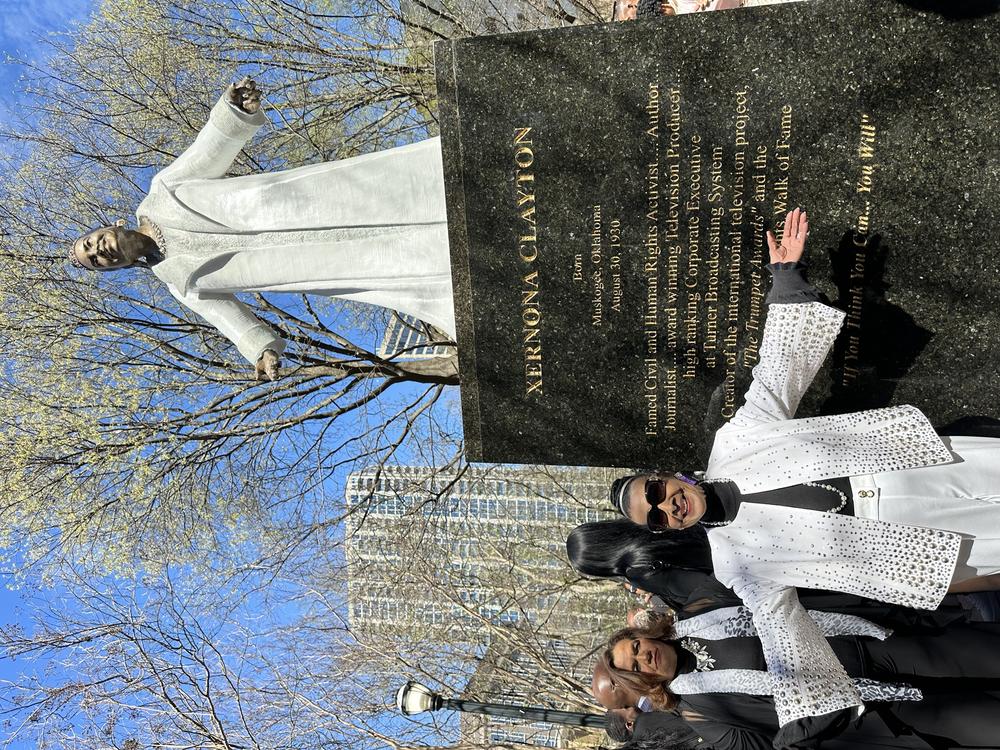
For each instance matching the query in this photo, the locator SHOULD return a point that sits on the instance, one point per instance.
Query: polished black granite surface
(608, 188)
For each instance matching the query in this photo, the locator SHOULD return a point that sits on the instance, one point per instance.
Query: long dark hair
(620, 548)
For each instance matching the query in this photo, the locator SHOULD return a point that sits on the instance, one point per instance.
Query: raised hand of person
(793, 238)
(246, 95)
(643, 596)
(268, 366)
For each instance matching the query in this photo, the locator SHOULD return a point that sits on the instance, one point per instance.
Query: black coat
(748, 722)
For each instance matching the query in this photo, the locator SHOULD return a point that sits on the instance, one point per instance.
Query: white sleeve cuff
(254, 342)
(233, 122)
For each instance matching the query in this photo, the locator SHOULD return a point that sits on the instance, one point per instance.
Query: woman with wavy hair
(934, 689)
(659, 644)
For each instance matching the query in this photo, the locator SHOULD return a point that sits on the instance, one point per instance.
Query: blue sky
(23, 23)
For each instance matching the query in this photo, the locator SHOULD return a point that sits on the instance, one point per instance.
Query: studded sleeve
(808, 678)
(796, 340)
(768, 550)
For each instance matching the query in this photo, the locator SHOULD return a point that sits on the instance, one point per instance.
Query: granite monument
(608, 192)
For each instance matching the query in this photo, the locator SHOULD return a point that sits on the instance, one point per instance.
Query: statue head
(109, 248)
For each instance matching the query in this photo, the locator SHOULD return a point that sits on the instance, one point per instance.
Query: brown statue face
(108, 248)
(608, 693)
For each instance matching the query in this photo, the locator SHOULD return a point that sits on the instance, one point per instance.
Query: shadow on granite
(608, 187)
(978, 426)
(868, 366)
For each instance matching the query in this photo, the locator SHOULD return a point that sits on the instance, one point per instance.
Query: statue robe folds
(371, 228)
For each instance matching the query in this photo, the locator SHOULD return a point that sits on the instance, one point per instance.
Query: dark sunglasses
(656, 492)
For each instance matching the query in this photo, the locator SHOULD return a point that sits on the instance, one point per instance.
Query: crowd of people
(826, 582)
(812, 573)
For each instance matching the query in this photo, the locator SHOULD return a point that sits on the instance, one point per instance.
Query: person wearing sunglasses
(871, 503)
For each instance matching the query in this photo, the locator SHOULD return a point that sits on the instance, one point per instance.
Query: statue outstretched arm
(233, 121)
(235, 321)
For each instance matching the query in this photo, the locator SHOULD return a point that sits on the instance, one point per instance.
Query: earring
(120, 223)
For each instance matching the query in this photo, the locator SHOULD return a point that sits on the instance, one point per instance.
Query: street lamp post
(414, 698)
